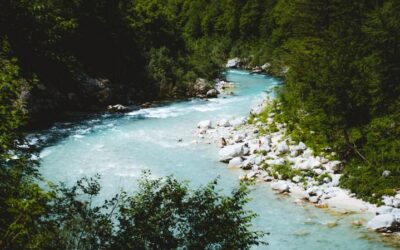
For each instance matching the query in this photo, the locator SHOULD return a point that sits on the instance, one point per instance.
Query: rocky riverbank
(267, 152)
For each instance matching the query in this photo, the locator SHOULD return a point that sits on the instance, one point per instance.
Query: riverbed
(163, 139)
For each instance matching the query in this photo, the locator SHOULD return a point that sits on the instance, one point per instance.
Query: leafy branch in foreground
(162, 214)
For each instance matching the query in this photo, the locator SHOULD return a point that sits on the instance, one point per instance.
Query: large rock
(266, 66)
(384, 210)
(118, 108)
(307, 164)
(282, 148)
(229, 152)
(204, 124)
(238, 121)
(223, 123)
(396, 202)
(334, 166)
(384, 222)
(235, 162)
(280, 186)
(200, 88)
(212, 93)
(233, 63)
(257, 108)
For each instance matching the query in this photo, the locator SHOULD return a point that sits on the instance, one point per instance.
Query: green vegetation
(340, 60)
(285, 171)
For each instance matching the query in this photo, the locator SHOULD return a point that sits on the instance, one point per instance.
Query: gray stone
(238, 121)
(229, 152)
(204, 124)
(386, 173)
(235, 162)
(384, 222)
(117, 108)
(212, 93)
(280, 186)
(282, 148)
(233, 63)
(223, 123)
(384, 210)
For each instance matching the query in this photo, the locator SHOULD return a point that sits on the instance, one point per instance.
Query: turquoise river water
(119, 147)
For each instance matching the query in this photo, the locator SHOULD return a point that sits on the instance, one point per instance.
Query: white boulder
(282, 148)
(235, 162)
(229, 152)
(280, 186)
(233, 63)
(223, 123)
(396, 203)
(302, 146)
(204, 124)
(384, 210)
(384, 222)
(238, 121)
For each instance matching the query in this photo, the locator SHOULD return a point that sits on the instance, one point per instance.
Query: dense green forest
(342, 90)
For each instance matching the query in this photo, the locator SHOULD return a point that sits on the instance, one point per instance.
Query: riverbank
(262, 146)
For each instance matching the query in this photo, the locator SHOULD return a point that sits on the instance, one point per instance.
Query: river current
(163, 139)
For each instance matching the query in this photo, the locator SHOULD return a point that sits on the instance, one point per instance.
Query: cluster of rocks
(262, 154)
(203, 89)
(387, 217)
(289, 166)
(224, 87)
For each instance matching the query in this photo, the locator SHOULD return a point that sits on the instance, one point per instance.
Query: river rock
(238, 121)
(212, 93)
(302, 146)
(266, 66)
(282, 148)
(308, 153)
(204, 124)
(117, 108)
(252, 175)
(384, 210)
(387, 200)
(229, 152)
(238, 137)
(333, 166)
(200, 88)
(233, 63)
(296, 179)
(313, 199)
(235, 162)
(396, 203)
(273, 162)
(223, 123)
(384, 222)
(280, 186)
(308, 164)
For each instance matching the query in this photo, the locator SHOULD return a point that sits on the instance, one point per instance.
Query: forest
(342, 91)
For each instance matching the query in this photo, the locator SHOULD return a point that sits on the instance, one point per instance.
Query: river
(161, 139)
